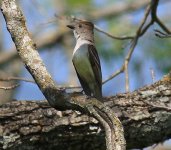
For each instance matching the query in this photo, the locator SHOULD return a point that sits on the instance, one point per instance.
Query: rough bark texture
(58, 98)
(145, 114)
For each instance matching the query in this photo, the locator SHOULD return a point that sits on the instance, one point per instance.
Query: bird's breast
(82, 63)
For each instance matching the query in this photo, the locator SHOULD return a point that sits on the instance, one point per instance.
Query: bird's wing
(83, 83)
(95, 62)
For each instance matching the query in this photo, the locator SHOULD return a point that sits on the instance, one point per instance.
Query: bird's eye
(80, 26)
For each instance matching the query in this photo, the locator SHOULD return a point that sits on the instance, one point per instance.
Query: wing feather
(92, 55)
(95, 63)
(84, 84)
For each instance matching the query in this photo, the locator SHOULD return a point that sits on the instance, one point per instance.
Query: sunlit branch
(9, 87)
(16, 78)
(32, 81)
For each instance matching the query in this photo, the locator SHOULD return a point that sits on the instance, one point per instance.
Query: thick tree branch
(145, 114)
(56, 97)
(26, 50)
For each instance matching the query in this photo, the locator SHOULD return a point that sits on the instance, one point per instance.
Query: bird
(86, 60)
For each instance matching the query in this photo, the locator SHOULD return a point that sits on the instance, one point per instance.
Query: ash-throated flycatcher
(86, 60)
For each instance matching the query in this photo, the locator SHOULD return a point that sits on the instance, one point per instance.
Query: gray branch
(56, 97)
(27, 51)
(145, 114)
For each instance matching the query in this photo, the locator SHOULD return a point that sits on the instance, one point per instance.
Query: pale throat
(80, 41)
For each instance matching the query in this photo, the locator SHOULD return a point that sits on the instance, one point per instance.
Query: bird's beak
(71, 27)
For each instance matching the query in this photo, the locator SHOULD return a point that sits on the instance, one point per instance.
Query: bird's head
(81, 28)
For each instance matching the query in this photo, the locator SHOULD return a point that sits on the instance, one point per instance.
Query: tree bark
(35, 125)
(58, 98)
(145, 115)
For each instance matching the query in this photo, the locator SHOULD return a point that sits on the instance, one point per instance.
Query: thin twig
(9, 87)
(32, 81)
(16, 78)
(113, 36)
(146, 28)
(162, 26)
(152, 7)
(161, 34)
(133, 45)
(140, 31)
(114, 75)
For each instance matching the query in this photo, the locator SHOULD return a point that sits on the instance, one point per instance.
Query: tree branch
(32, 81)
(113, 36)
(16, 78)
(161, 34)
(151, 9)
(154, 17)
(56, 97)
(9, 87)
(145, 114)
(124, 67)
